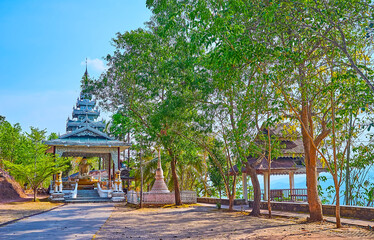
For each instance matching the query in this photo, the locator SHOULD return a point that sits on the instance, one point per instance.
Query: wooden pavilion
(290, 162)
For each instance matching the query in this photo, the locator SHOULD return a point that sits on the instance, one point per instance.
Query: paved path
(349, 221)
(72, 221)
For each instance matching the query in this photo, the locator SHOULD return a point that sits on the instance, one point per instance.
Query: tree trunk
(269, 204)
(269, 171)
(337, 210)
(35, 189)
(178, 200)
(315, 205)
(220, 194)
(231, 202)
(256, 191)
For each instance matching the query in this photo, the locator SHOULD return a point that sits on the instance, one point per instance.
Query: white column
(245, 187)
(114, 155)
(266, 186)
(292, 180)
(292, 185)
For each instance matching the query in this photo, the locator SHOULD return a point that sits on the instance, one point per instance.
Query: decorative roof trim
(87, 127)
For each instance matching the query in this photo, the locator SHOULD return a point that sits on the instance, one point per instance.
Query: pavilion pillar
(54, 158)
(245, 187)
(266, 186)
(114, 171)
(118, 159)
(109, 172)
(291, 176)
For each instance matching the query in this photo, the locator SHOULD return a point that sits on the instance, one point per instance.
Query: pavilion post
(114, 170)
(245, 187)
(109, 173)
(291, 176)
(54, 158)
(119, 160)
(266, 185)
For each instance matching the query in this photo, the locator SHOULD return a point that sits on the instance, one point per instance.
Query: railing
(284, 195)
(103, 193)
(75, 191)
(104, 185)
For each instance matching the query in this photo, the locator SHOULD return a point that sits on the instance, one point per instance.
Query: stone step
(96, 200)
(88, 197)
(88, 194)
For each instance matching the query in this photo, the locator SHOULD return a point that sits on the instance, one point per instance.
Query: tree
(144, 82)
(53, 136)
(347, 26)
(343, 105)
(233, 60)
(9, 141)
(34, 165)
(215, 177)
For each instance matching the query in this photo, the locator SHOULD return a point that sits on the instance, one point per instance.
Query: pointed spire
(86, 72)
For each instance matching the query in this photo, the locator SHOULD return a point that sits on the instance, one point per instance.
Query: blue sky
(43, 46)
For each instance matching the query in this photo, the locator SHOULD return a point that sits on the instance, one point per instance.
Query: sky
(43, 47)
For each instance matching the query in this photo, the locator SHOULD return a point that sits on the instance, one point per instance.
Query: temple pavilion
(84, 138)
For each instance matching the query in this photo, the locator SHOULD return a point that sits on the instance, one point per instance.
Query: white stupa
(159, 186)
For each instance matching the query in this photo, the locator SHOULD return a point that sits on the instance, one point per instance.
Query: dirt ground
(15, 210)
(198, 222)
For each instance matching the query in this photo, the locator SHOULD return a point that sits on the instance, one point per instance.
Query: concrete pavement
(72, 221)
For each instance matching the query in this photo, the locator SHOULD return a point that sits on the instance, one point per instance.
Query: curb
(16, 220)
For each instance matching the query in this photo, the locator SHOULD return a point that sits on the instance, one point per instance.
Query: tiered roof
(83, 129)
(85, 113)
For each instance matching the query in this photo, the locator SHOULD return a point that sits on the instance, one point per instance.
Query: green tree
(214, 172)
(10, 137)
(224, 33)
(53, 136)
(34, 165)
(143, 81)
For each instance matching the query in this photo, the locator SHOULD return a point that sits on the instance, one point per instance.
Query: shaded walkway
(73, 221)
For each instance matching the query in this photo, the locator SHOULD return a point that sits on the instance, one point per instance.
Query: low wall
(224, 201)
(158, 198)
(132, 197)
(187, 197)
(366, 213)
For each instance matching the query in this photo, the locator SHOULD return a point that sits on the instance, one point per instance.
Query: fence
(284, 195)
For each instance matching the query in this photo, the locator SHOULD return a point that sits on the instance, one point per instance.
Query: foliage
(52, 136)
(210, 72)
(10, 141)
(33, 164)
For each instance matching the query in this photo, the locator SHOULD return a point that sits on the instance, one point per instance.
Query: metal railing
(284, 195)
